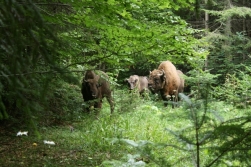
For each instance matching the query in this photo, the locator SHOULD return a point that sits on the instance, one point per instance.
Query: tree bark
(227, 32)
(207, 29)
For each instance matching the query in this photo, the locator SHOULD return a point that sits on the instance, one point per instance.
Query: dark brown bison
(165, 80)
(95, 87)
(138, 82)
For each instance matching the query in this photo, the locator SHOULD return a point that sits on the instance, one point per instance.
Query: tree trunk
(228, 22)
(227, 32)
(206, 28)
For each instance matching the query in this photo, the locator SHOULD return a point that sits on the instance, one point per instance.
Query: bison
(95, 87)
(165, 80)
(138, 82)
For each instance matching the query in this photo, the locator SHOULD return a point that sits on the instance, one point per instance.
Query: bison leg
(97, 107)
(174, 101)
(175, 98)
(99, 104)
(145, 94)
(87, 106)
(166, 99)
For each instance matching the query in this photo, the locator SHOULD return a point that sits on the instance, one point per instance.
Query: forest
(47, 46)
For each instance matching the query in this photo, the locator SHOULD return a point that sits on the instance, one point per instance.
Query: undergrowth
(137, 134)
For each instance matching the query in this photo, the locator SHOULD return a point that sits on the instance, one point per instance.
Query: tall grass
(135, 135)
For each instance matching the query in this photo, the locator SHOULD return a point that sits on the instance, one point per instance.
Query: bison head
(132, 82)
(94, 86)
(156, 80)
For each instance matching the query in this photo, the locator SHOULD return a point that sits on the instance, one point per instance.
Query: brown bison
(165, 80)
(95, 87)
(138, 82)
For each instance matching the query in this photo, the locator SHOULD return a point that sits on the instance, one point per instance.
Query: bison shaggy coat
(95, 87)
(165, 80)
(138, 82)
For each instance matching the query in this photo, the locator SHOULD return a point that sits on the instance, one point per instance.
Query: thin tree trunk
(206, 27)
(227, 33)
(228, 22)
(243, 29)
(206, 18)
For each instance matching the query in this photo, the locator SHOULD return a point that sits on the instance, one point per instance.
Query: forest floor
(89, 144)
(126, 137)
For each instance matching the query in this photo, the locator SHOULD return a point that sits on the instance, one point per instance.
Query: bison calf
(139, 83)
(95, 87)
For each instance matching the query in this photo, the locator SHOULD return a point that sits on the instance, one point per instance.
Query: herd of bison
(166, 80)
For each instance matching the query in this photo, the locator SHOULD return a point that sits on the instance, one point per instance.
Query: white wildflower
(49, 142)
(22, 133)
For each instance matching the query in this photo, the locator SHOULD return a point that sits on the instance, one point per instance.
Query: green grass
(109, 141)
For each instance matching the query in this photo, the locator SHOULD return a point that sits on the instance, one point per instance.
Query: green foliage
(230, 13)
(39, 38)
(89, 143)
(200, 81)
(209, 137)
(25, 53)
(209, 133)
(228, 37)
(132, 137)
(28, 61)
(236, 89)
(228, 53)
(114, 35)
(127, 101)
(64, 103)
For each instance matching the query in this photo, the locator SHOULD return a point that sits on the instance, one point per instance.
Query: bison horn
(162, 74)
(163, 71)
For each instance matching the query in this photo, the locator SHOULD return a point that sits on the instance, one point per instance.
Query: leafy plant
(236, 89)
(209, 132)
(28, 61)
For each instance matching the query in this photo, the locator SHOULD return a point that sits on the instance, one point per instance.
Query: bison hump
(172, 77)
